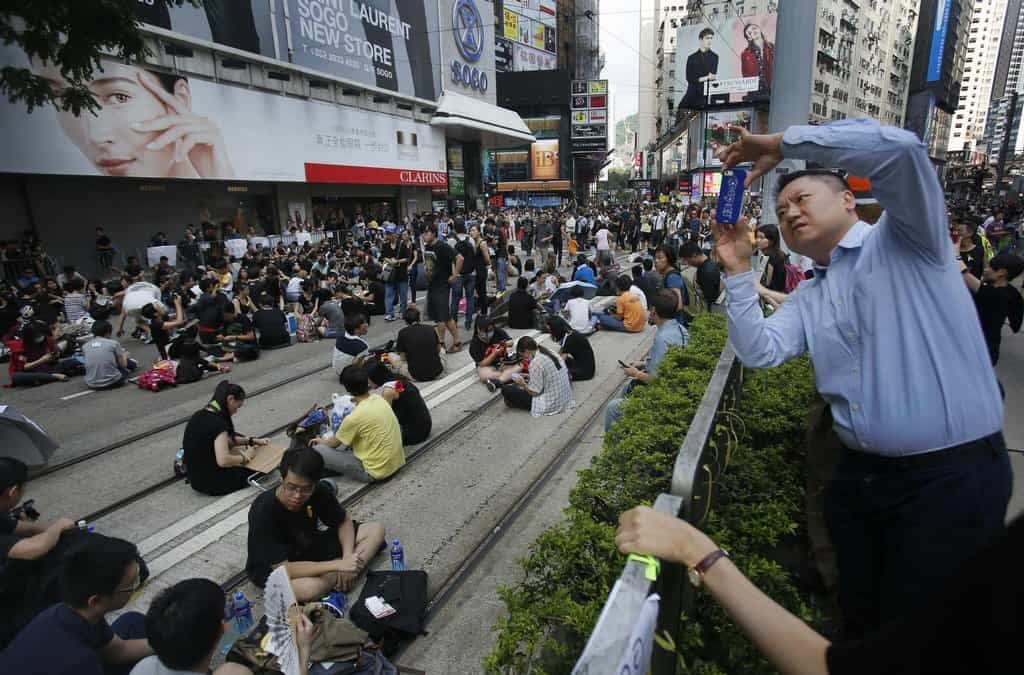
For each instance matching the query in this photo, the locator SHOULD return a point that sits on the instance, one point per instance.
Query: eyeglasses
(300, 490)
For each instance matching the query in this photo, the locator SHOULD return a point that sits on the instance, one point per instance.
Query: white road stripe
(81, 393)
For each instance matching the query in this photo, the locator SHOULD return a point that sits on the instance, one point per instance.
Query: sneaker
(493, 385)
(331, 487)
(335, 603)
(389, 318)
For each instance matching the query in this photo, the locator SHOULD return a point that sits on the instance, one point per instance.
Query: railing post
(675, 593)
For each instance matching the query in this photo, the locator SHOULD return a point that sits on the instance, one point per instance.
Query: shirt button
(856, 370)
(856, 406)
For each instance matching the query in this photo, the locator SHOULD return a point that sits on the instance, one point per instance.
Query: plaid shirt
(553, 385)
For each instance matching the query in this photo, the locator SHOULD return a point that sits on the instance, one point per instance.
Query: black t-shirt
(200, 433)
(7, 537)
(57, 642)
(377, 289)
(481, 261)
(777, 282)
(102, 243)
(440, 268)
(209, 310)
(465, 248)
(158, 332)
(419, 344)
(270, 326)
(709, 278)
(971, 626)
(520, 309)
(478, 348)
(995, 306)
(582, 353)
(975, 260)
(412, 413)
(277, 535)
(398, 251)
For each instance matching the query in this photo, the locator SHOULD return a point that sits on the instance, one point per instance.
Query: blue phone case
(730, 197)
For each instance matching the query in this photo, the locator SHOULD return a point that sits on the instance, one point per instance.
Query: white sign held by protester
(236, 247)
(154, 253)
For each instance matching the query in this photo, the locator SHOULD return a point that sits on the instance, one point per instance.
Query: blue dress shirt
(669, 334)
(891, 328)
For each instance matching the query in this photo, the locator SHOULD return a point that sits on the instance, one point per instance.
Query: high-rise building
(983, 47)
(665, 92)
(647, 100)
(1004, 109)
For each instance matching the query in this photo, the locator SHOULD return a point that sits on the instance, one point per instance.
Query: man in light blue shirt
(670, 333)
(924, 478)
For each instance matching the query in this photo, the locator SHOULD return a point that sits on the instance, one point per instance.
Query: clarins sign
(423, 178)
(370, 175)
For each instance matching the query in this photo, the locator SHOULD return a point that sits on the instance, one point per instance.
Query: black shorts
(326, 546)
(439, 304)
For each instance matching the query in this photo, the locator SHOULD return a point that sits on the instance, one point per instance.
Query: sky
(620, 31)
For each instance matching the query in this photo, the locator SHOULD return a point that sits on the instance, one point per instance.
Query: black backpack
(466, 249)
(407, 593)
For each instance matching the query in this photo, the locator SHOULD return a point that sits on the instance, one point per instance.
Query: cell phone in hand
(623, 364)
(731, 197)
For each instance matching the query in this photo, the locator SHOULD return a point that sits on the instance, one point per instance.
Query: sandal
(456, 347)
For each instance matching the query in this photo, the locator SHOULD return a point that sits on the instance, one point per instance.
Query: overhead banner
(532, 27)
(726, 50)
(156, 125)
(390, 44)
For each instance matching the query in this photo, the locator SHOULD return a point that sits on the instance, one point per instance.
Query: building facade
(1002, 139)
(983, 44)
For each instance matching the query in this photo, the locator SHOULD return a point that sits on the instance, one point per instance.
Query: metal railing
(697, 468)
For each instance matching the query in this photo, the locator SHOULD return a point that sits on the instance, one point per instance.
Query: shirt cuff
(740, 287)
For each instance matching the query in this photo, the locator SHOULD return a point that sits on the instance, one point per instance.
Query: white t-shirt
(579, 314)
(602, 240)
(640, 296)
(294, 286)
(151, 665)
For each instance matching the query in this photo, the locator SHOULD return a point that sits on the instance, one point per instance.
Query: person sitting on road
(106, 362)
(215, 455)
(332, 317)
(670, 333)
(579, 312)
(575, 349)
(584, 272)
(522, 306)
(73, 636)
(628, 316)
(418, 352)
(368, 445)
(406, 402)
(37, 360)
(160, 326)
(351, 346)
(239, 335)
(490, 351)
(283, 530)
(546, 389)
(191, 363)
(184, 625)
(271, 324)
(22, 542)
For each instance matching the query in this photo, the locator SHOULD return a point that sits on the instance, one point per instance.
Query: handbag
(387, 273)
(407, 593)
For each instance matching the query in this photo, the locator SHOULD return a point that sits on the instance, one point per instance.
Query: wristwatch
(696, 573)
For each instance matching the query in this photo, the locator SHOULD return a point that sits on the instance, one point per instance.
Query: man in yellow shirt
(368, 445)
(629, 316)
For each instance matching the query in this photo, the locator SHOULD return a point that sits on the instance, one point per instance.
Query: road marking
(81, 393)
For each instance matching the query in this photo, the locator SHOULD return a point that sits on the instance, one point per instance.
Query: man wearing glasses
(73, 636)
(302, 526)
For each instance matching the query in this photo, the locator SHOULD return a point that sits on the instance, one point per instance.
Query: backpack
(466, 249)
(305, 330)
(407, 593)
(694, 303)
(162, 373)
(794, 275)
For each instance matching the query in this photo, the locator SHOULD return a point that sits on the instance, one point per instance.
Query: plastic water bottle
(338, 404)
(85, 527)
(397, 556)
(293, 323)
(243, 613)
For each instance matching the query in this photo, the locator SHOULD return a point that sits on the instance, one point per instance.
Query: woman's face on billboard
(109, 138)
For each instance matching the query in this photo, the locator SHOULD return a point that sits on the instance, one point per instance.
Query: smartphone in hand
(731, 197)
(623, 364)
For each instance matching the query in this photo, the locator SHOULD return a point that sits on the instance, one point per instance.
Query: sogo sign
(469, 35)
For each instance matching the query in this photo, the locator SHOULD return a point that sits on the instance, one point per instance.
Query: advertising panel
(938, 45)
(544, 160)
(731, 48)
(388, 44)
(156, 125)
(588, 100)
(467, 47)
(503, 55)
(533, 26)
(717, 133)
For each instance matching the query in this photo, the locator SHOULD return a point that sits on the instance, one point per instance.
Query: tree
(618, 179)
(71, 35)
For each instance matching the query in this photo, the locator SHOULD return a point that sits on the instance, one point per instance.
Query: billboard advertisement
(588, 101)
(532, 27)
(938, 41)
(468, 48)
(544, 160)
(158, 125)
(735, 55)
(717, 133)
(390, 44)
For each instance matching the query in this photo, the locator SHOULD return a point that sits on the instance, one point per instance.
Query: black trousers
(902, 527)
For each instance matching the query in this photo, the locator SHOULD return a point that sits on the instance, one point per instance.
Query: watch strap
(710, 559)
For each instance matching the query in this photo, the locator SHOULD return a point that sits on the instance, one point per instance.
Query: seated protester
(375, 293)
(239, 335)
(38, 360)
(271, 324)
(521, 305)
(22, 542)
(332, 317)
(995, 299)
(575, 349)
(307, 302)
(73, 637)
(635, 289)
(709, 277)
(651, 281)
(106, 361)
(76, 302)
(628, 316)
(351, 346)
(546, 390)
(665, 264)
(489, 349)
(368, 444)
(670, 333)
(284, 530)
(406, 402)
(208, 310)
(583, 272)
(418, 352)
(184, 626)
(578, 311)
(215, 455)
(529, 270)
(160, 326)
(515, 265)
(191, 364)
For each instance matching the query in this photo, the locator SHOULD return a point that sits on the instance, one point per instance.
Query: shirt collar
(854, 238)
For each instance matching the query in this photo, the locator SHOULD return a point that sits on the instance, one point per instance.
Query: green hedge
(571, 567)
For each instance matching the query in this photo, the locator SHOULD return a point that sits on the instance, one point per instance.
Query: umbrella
(562, 294)
(23, 439)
